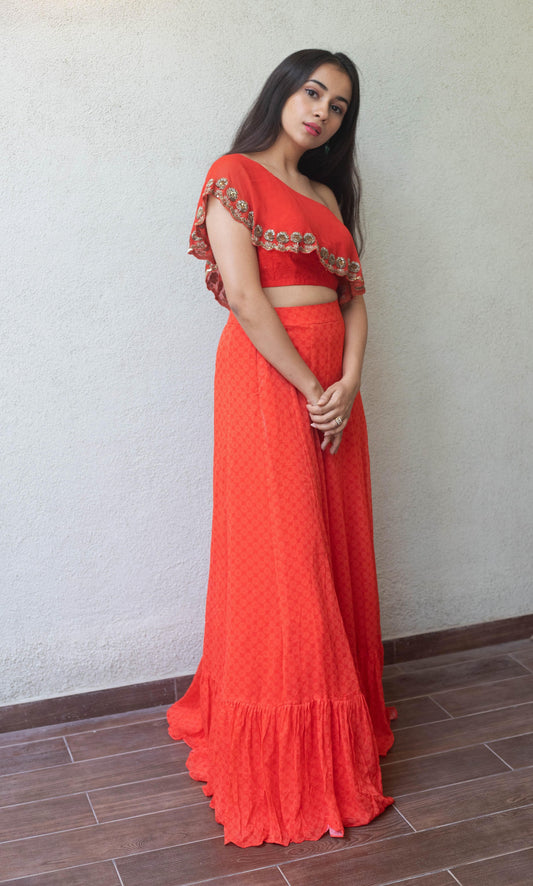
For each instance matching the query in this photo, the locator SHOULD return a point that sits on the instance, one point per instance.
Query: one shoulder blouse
(298, 239)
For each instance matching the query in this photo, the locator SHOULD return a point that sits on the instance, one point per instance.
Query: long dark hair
(335, 167)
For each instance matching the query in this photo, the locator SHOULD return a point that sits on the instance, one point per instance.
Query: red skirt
(285, 715)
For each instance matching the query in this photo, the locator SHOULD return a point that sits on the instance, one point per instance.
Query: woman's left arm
(338, 399)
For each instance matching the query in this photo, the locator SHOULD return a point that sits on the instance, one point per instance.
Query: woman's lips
(312, 129)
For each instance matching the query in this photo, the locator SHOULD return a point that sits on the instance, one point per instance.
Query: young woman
(285, 715)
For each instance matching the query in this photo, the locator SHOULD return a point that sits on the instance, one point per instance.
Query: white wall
(112, 111)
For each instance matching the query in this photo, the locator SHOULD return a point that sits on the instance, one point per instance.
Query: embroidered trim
(268, 239)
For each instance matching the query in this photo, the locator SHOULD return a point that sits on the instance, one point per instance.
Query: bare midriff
(296, 296)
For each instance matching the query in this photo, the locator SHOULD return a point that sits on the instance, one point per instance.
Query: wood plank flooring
(108, 801)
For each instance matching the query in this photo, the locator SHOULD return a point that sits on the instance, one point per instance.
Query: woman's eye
(336, 109)
(310, 91)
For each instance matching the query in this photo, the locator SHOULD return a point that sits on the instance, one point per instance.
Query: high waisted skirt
(285, 715)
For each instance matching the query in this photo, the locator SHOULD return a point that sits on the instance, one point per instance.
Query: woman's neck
(282, 159)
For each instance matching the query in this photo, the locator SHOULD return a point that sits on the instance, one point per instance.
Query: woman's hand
(331, 412)
(334, 439)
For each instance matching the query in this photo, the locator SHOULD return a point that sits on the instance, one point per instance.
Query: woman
(285, 715)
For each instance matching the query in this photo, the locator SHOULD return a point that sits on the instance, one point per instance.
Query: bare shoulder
(328, 197)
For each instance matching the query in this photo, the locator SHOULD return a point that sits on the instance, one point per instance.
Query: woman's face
(316, 110)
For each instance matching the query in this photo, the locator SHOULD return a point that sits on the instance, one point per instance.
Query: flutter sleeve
(228, 181)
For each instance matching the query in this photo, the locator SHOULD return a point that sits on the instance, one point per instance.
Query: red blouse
(301, 240)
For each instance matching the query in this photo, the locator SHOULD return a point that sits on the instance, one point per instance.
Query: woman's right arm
(236, 259)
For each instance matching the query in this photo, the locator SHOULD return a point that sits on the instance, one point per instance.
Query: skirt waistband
(308, 315)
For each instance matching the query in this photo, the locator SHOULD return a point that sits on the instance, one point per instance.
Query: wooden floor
(108, 801)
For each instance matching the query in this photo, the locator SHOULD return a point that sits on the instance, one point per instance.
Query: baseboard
(98, 703)
(456, 639)
(102, 702)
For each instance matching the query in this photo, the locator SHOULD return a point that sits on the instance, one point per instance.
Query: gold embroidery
(258, 230)
(228, 197)
(282, 237)
(309, 239)
(270, 234)
(296, 237)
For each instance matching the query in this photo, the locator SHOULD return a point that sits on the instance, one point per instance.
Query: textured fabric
(299, 240)
(285, 715)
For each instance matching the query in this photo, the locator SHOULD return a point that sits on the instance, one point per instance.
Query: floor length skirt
(285, 715)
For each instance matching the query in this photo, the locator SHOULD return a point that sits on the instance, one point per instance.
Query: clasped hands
(335, 402)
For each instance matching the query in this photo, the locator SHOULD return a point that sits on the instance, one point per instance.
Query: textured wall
(112, 112)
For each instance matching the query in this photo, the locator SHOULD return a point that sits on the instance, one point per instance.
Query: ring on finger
(339, 420)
